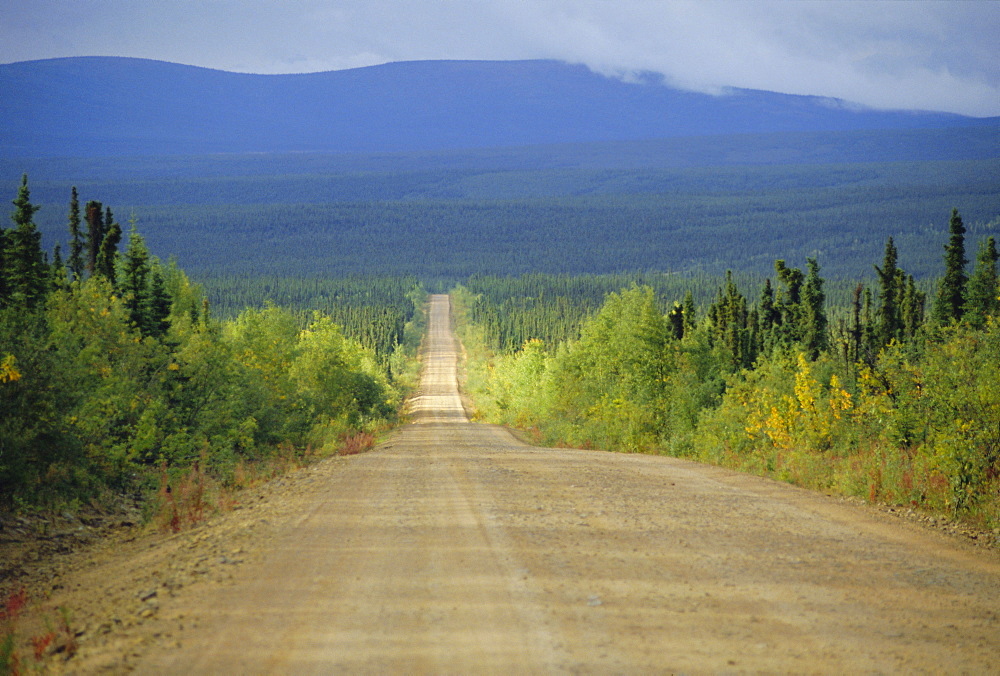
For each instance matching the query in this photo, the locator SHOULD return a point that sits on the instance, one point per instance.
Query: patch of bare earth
(455, 548)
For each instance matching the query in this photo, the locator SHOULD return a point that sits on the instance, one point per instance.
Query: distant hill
(105, 106)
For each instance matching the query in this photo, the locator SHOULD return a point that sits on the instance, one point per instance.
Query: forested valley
(891, 392)
(682, 206)
(123, 371)
(119, 378)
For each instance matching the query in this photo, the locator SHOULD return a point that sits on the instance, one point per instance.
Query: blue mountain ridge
(111, 106)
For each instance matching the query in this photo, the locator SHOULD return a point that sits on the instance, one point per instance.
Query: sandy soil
(455, 548)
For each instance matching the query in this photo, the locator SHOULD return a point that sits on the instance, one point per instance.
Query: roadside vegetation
(892, 395)
(118, 378)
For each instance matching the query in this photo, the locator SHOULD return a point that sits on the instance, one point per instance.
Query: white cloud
(932, 55)
(884, 54)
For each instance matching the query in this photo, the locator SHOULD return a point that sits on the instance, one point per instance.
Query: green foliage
(958, 408)
(515, 385)
(101, 385)
(731, 326)
(983, 292)
(135, 282)
(871, 405)
(106, 261)
(814, 322)
(889, 316)
(22, 264)
(611, 380)
(372, 310)
(34, 395)
(950, 302)
(337, 375)
(90, 401)
(95, 233)
(552, 308)
(76, 241)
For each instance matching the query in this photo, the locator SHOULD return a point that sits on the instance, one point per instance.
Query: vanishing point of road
(455, 548)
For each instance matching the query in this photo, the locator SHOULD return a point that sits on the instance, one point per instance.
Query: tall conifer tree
(814, 336)
(135, 277)
(730, 323)
(857, 330)
(981, 297)
(675, 321)
(689, 312)
(95, 232)
(950, 302)
(58, 269)
(27, 275)
(76, 245)
(912, 307)
(788, 305)
(158, 305)
(888, 317)
(107, 252)
(768, 313)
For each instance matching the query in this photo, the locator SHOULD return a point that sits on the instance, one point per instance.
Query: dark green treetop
(950, 302)
(95, 232)
(982, 292)
(814, 337)
(107, 252)
(26, 275)
(888, 318)
(76, 245)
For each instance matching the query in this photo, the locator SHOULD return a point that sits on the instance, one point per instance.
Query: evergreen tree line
(896, 398)
(552, 308)
(27, 276)
(112, 368)
(372, 310)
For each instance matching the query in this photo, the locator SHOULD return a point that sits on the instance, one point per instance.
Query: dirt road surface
(454, 548)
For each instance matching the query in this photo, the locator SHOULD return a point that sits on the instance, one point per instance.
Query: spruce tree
(58, 269)
(730, 323)
(792, 278)
(814, 338)
(788, 304)
(888, 317)
(872, 343)
(27, 275)
(950, 302)
(767, 313)
(912, 307)
(158, 305)
(982, 291)
(107, 253)
(681, 317)
(857, 328)
(95, 233)
(689, 312)
(76, 245)
(135, 278)
(675, 321)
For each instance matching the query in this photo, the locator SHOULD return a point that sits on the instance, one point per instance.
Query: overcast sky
(888, 53)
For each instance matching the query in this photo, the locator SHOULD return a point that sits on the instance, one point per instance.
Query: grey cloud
(932, 55)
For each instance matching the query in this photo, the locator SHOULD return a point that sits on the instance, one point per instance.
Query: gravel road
(455, 548)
